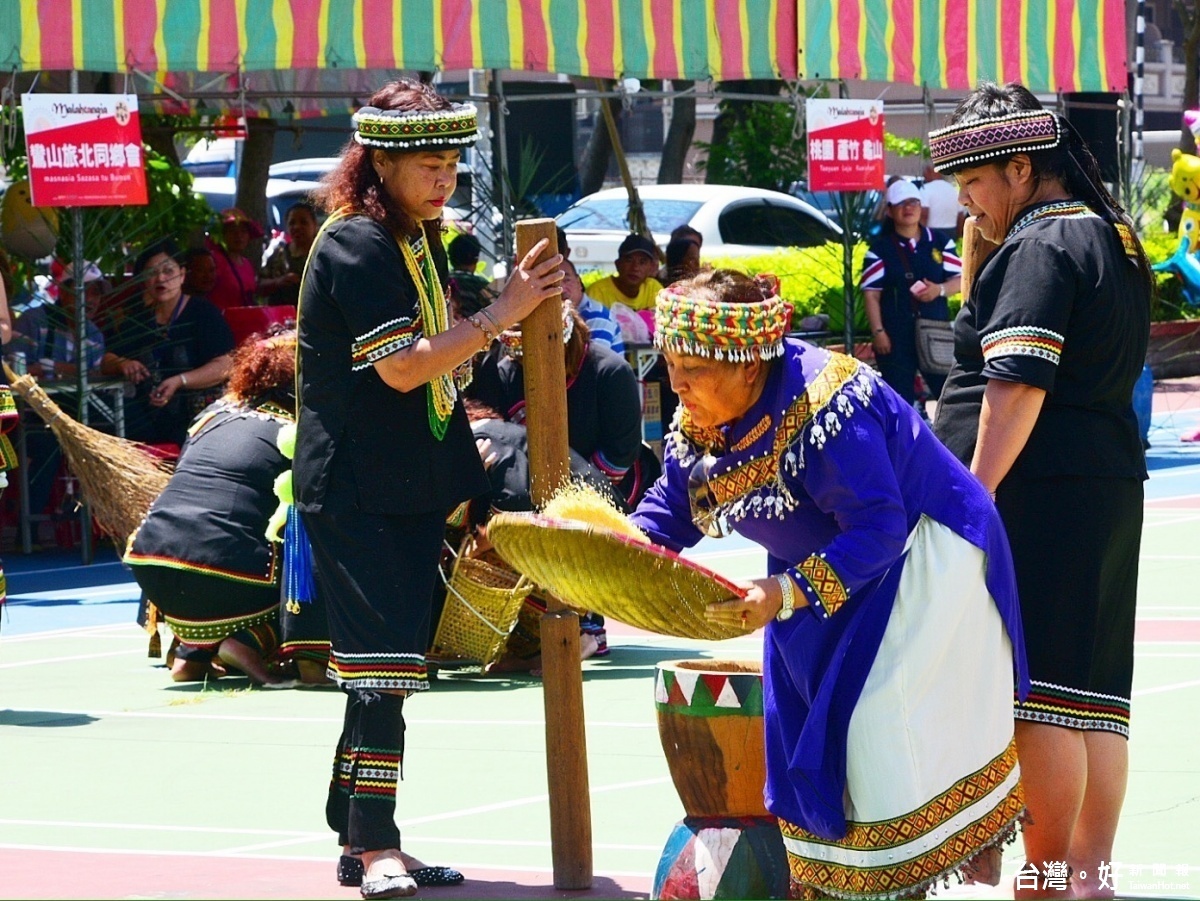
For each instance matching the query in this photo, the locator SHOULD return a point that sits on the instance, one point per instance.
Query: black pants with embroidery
(361, 807)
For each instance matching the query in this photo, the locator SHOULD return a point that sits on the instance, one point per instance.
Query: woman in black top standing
(1049, 346)
(174, 348)
(908, 273)
(384, 451)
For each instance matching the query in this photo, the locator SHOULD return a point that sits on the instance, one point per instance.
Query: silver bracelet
(183, 379)
(492, 319)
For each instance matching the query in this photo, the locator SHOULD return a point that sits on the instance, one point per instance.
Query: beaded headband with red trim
(723, 331)
(416, 129)
(970, 143)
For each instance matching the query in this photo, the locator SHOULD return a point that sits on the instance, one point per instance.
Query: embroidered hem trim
(399, 672)
(212, 631)
(1073, 708)
(939, 838)
(269, 578)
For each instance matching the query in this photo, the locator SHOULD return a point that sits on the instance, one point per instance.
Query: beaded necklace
(435, 317)
(1062, 209)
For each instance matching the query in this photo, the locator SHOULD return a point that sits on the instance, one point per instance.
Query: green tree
(762, 149)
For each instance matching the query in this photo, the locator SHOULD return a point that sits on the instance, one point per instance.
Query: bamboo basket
(483, 602)
(634, 582)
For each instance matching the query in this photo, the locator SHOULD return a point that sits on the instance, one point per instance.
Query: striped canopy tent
(1048, 45)
(1051, 45)
(269, 44)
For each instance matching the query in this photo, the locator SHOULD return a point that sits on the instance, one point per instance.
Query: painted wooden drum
(710, 721)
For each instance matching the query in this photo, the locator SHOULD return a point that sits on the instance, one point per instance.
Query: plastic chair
(247, 321)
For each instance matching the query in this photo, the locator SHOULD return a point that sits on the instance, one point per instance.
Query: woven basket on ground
(634, 582)
(483, 601)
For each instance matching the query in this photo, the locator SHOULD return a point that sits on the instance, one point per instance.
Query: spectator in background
(604, 407)
(903, 257)
(237, 276)
(280, 277)
(469, 286)
(940, 208)
(48, 332)
(563, 247)
(46, 335)
(174, 350)
(603, 328)
(683, 260)
(634, 283)
(201, 275)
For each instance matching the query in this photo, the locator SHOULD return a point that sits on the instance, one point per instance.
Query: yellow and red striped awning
(1049, 44)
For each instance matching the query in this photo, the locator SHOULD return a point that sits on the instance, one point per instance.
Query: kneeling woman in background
(202, 555)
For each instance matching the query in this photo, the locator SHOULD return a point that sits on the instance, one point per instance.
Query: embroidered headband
(970, 143)
(417, 129)
(724, 331)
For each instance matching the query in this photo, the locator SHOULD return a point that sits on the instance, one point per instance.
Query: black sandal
(350, 873)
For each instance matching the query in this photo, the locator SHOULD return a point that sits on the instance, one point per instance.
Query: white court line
(1161, 688)
(91, 567)
(81, 631)
(127, 593)
(315, 836)
(155, 827)
(1170, 522)
(285, 858)
(1169, 556)
(126, 653)
(185, 714)
(470, 811)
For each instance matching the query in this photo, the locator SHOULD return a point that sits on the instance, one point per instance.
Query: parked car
(734, 221)
(870, 210)
(282, 193)
(315, 168)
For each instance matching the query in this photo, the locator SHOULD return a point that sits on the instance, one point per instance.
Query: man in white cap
(940, 208)
(909, 272)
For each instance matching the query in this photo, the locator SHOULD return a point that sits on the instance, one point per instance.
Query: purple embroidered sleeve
(852, 479)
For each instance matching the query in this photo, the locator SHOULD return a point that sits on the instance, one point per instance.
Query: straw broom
(116, 477)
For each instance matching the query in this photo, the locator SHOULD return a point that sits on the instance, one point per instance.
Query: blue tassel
(298, 584)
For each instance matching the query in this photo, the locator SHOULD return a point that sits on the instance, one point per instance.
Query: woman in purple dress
(892, 638)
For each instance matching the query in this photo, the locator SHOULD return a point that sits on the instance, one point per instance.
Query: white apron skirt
(931, 766)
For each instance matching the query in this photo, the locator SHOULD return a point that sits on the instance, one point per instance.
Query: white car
(734, 221)
(282, 193)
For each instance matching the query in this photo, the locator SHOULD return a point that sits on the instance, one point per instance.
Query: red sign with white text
(84, 149)
(845, 145)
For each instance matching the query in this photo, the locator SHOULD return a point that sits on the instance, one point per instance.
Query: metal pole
(81, 382)
(500, 130)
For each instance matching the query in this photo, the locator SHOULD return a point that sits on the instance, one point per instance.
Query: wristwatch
(788, 587)
(942, 290)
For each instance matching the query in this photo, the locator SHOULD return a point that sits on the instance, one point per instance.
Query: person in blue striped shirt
(604, 329)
